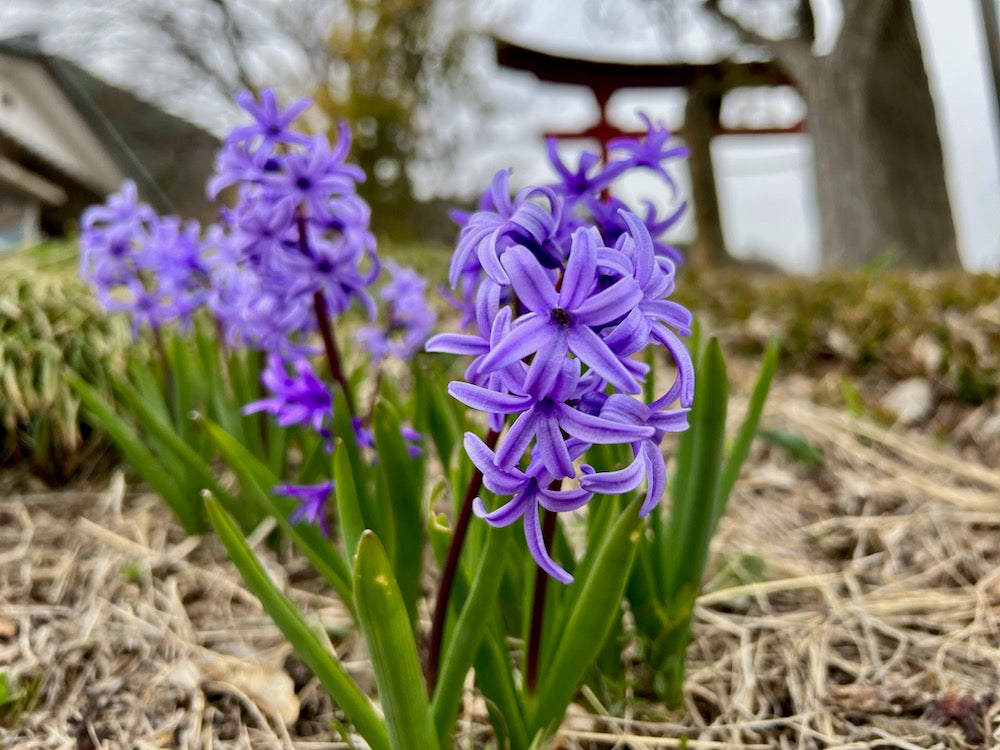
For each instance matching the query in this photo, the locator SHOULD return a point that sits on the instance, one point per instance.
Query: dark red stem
(330, 347)
(451, 568)
(538, 603)
(323, 323)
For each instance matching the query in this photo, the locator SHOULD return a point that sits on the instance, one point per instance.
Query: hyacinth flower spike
(563, 320)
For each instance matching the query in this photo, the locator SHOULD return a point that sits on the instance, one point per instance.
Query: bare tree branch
(793, 53)
(235, 42)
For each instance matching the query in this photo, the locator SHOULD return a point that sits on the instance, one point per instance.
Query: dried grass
(875, 624)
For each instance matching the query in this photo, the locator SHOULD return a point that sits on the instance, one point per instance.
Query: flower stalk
(451, 568)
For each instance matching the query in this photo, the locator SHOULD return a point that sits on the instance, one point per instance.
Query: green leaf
(741, 447)
(495, 678)
(437, 415)
(796, 445)
(185, 461)
(349, 516)
(692, 518)
(321, 662)
(465, 638)
(588, 614)
(257, 483)
(188, 386)
(343, 429)
(187, 509)
(699, 469)
(404, 490)
(386, 626)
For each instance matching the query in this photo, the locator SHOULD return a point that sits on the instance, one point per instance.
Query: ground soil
(851, 604)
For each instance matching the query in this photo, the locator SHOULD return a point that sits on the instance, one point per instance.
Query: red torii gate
(706, 83)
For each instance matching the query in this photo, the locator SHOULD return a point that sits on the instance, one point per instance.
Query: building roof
(169, 158)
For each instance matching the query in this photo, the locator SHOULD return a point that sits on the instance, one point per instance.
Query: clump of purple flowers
(408, 321)
(563, 288)
(151, 267)
(291, 254)
(297, 238)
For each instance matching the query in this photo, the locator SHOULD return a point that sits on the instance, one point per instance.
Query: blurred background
(824, 133)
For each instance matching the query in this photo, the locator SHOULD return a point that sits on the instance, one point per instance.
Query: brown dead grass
(875, 622)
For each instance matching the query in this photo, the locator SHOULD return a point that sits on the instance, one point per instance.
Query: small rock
(8, 628)
(910, 401)
(184, 675)
(928, 352)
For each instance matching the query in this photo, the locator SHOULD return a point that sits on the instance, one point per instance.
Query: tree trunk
(701, 117)
(879, 166)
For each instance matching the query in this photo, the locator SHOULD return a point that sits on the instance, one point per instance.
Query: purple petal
(597, 430)
(536, 545)
(484, 399)
(615, 482)
(489, 259)
(617, 300)
(645, 258)
(457, 343)
(629, 336)
(532, 283)
(546, 367)
(506, 514)
(656, 476)
(497, 480)
(563, 501)
(682, 358)
(593, 352)
(581, 271)
(552, 449)
(672, 313)
(530, 333)
(672, 420)
(516, 441)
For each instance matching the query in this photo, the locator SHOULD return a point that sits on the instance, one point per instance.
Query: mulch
(854, 604)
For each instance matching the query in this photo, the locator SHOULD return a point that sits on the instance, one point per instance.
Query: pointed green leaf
(386, 626)
(741, 446)
(465, 638)
(307, 644)
(594, 603)
(257, 483)
(185, 460)
(349, 515)
(186, 508)
(404, 490)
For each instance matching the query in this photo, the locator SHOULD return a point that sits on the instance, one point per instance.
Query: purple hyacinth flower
(654, 317)
(297, 399)
(577, 183)
(271, 124)
(312, 502)
(650, 152)
(563, 320)
(530, 489)
(521, 221)
(649, 462)
(544, 421)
